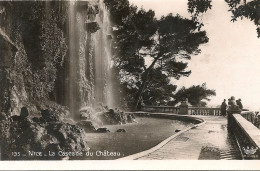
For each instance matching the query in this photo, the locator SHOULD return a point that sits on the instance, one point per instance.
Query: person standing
(224, 108)
(232, 101)
(239, 103)
(229, 101)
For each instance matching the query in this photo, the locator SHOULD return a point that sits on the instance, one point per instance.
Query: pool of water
(145, 134)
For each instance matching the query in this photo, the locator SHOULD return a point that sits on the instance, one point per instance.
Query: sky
(229, 62)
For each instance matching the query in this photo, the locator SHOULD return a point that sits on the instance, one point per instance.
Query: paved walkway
(210, 141)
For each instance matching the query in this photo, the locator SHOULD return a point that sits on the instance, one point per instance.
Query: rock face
(87, 126)
(51, 62)
(116, 117)
(43, 60)
(49, 116)
(41, 135)
(121, 130)
(7, 46)
(177, 130)
(24, 112)
(92, 27)
(102, 130)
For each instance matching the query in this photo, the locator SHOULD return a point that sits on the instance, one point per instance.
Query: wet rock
(24, 112)
(70, 137)
(69, 120)
(57, 130)
(115, 117)
(50, 115)
(84, 116)
(102, 130)
(36, 119)
(109, 37)
(123, 117)
(111, 112)
(121, 130)
(25, 134)
(177, 130)
(130, 118)
(92, 27)
(86, 112)
(87, 126)
(16, 118)
(133, 116)
(124, 121)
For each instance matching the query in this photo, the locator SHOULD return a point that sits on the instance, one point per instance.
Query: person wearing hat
(229, 101)
(233, 107)
(233, 101)
(239, 103)
(224, 108)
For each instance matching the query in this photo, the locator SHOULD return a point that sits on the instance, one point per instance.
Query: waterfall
(89, 60)
(69, 62)
(73, 57)
(103, 61)
(78, 90)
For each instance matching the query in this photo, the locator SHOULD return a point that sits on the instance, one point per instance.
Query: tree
(239, 9)
(167, 42)
(159, 90)
(176, 39)
(194, 94)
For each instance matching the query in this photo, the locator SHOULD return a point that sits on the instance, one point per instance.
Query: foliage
(194, 94)
(160, 90)
(239, 9)
(36, 29)
(250, 10)
(165, 42)
(197, 7)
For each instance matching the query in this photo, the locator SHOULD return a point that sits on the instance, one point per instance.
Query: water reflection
(138, 137)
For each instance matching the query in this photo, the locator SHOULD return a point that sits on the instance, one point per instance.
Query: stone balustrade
(246, 134)
(244, 127)
(162, 109)
(252, 117)
(186, 110)
(204, 111)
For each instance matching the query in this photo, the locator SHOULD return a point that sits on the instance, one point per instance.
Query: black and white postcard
(127, 80)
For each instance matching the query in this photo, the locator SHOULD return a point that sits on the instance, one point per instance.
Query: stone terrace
(210, 141)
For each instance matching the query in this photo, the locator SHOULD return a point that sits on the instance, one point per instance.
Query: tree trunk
(141, 90)
(143, 86)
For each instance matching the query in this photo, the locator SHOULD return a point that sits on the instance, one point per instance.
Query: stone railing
(252, 117)
(204, 111)
(246, 135)
(185, 110)
(162, 109)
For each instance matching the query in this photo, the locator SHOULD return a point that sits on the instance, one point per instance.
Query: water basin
(145, 134)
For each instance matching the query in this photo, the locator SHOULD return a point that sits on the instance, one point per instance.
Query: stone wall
(247, 136)
(35, 54)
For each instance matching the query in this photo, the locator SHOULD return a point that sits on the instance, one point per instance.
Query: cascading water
(73, 58)
(103, 61)
(89, 74)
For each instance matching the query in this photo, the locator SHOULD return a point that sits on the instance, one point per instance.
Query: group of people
(233, 105)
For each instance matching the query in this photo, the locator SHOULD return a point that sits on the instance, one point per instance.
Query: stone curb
(164, 142)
